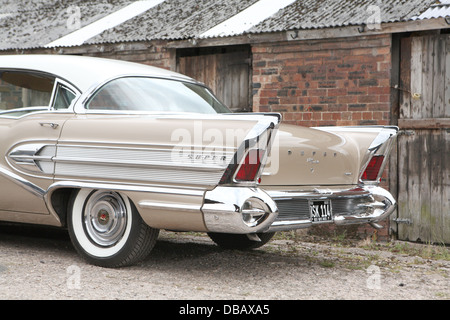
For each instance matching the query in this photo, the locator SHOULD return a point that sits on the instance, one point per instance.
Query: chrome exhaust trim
(240, 210)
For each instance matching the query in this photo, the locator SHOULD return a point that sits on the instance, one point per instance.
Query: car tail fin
(251, 156)
(377, 156)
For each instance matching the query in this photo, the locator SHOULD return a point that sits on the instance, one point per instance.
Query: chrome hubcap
(105, 218)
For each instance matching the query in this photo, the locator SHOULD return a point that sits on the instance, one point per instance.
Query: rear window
(155, 95)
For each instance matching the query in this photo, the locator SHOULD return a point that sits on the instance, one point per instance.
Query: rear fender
(381, 138)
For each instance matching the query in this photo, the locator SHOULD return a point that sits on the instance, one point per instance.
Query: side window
(63, 97)
(23, 92)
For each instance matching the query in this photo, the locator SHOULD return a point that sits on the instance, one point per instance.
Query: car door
(33, 109)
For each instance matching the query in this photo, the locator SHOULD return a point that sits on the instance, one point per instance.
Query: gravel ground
(40, 263)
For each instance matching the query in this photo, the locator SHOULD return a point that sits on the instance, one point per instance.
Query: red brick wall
(155, 53)
(342, 81)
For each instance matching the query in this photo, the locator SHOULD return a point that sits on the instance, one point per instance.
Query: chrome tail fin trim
(260, 136)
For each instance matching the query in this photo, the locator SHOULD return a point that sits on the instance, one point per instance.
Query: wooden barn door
(225, 70)
(424, 147)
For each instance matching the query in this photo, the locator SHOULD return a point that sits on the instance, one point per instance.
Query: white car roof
(81, 71)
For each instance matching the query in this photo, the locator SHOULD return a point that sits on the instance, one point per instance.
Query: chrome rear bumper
(251, 210)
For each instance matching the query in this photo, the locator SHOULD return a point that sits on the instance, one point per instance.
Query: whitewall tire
(107, 230)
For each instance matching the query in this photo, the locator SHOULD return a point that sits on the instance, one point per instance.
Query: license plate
(320, 210)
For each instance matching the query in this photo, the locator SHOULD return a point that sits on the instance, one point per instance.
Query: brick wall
(153, 53)
(342, 81)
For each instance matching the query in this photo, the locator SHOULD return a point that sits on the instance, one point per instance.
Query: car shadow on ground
(33, 235)
(172, 250)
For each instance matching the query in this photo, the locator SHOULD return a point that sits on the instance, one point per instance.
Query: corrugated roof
(184, 19)
(175, 19)
(83, 34)
(34, 23)
(437, 10)
(247, 18)
(41, 23)
(313, 14)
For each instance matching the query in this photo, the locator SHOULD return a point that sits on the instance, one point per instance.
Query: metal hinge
(403, 220)
(406, 132)
(414, 95)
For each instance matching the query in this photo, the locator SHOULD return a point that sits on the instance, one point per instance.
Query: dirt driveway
(42, 264)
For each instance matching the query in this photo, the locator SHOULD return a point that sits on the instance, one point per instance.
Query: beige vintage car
(114, 151)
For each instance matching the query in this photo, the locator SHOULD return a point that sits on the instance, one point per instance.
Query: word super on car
(116, 151)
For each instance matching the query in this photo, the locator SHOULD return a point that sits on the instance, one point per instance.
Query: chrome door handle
(50, 124)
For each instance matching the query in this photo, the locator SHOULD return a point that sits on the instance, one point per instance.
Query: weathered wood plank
(437, 157)
(426, 100)
(403, 186)
(447, 79)
(438, 105)
(416, 77)
(424, 215)
(405, 79)
(426, 124)
(445, 211)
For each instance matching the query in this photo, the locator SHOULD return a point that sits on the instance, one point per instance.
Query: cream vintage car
(115, 151)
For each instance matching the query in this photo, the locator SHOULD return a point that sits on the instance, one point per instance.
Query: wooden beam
(313, 34)
(428, 123)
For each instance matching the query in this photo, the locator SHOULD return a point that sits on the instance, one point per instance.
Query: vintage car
(115, 151)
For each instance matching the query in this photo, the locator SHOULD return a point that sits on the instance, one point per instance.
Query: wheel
(106, 229)
(239, 241)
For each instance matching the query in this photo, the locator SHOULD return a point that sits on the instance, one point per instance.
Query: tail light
(249, 168)
(245, 171)
(372, 170)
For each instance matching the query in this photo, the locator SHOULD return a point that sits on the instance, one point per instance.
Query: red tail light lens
(250, 167)
(373, 168)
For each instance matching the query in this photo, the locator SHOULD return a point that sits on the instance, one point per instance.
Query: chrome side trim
(122, 187)
(24, 111)
(47, 195)
(142, 164)
(33, 157)
(169, 206)
(25, 184)
(154, 157)
(33, 189)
